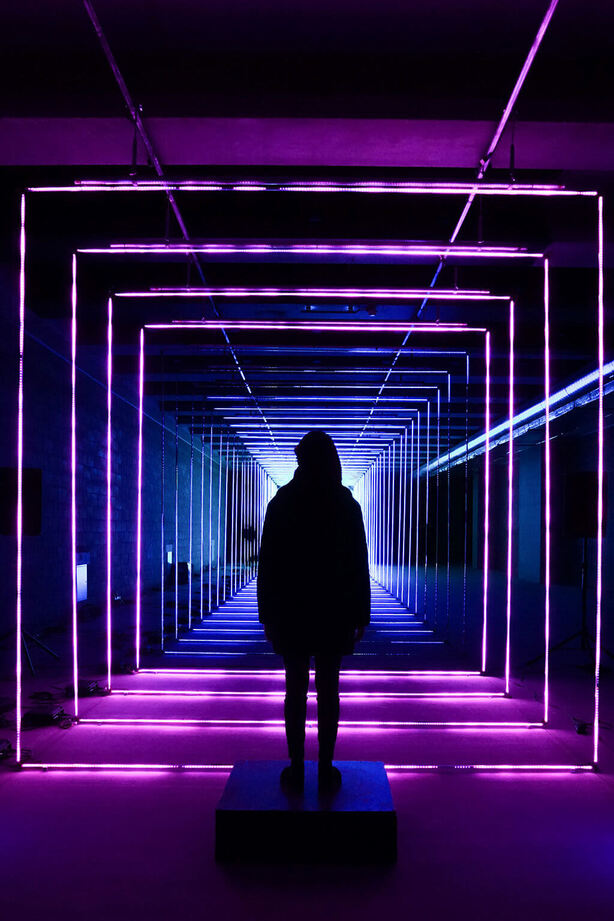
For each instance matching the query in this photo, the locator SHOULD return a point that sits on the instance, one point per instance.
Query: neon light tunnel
(194, 369)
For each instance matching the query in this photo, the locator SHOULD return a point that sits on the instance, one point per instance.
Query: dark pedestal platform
(256, 821)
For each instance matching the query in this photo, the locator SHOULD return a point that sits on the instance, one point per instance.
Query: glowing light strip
(279, 673)
(315, 249)
(109, 482)
(73, 482)
(599, 574)
(486, 510)
(405, 294)
(401, 768)
(527, 414)
(510, 499)
(375, 187)
(312, 724)
(19, 515)
(345, 695)
(139, 501)
(547, 486)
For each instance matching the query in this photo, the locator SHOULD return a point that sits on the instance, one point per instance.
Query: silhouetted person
(314, 594)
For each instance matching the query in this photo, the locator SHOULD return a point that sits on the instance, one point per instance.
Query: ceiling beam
(306, 142)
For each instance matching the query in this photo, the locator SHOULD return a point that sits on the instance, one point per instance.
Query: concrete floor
(117, 845)
(102, 846)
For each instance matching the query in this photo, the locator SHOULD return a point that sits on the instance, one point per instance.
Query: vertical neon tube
(176, 548)
(233, 527)
(73, 485)
(404, 516)
(411, 515)
(599, 574)
(139, 500)
(240, 526)
(108, 510)
(190, 525)
(417, 511)
(19, 517)
(448, 448)
(426, 507)
(210, 531)
(486, 506)
(226, 517)
(382, 506)
(162, 535)
(436, 601)
(389, 519)
(202, 518)
(510, 483)
(546, 490)
(219, 522)
(392, 513)
(466, 499)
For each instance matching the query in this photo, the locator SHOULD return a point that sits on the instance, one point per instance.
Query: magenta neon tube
(486, 507)
(109, 459)
(191, 526)
(139, 501)
(73, 483)
(319, 186)
(599, 574)
(447, 250)
(19, 519)
(404, 294)
(510, 499)
(202, 517)
(547, 490)
(210, 518)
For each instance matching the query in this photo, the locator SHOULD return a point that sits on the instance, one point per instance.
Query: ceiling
(423, 86)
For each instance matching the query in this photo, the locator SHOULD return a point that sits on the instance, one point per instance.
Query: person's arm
(361, 574)
(268, 559)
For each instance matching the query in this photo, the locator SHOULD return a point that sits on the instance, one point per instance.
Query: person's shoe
(329, 778)
(292, 778)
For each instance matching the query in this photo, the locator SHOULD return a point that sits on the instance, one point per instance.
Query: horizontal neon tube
(382, 187)
(346, 695)
(318, 326)
(279, 673)
(315, 249)
(440, 294)
(120, 766)
(312, 724)
(393, 768)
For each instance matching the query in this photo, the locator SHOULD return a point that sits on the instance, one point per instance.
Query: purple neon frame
(319, 326)
(255, 324)
(479, 251)
(416, 189)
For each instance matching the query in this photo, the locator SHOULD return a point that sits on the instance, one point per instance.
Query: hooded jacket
(313, 570)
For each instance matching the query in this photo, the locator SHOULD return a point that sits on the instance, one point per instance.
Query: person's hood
(318, 461)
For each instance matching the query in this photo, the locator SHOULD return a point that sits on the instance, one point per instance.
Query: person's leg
(327, 686)
(295, 709)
